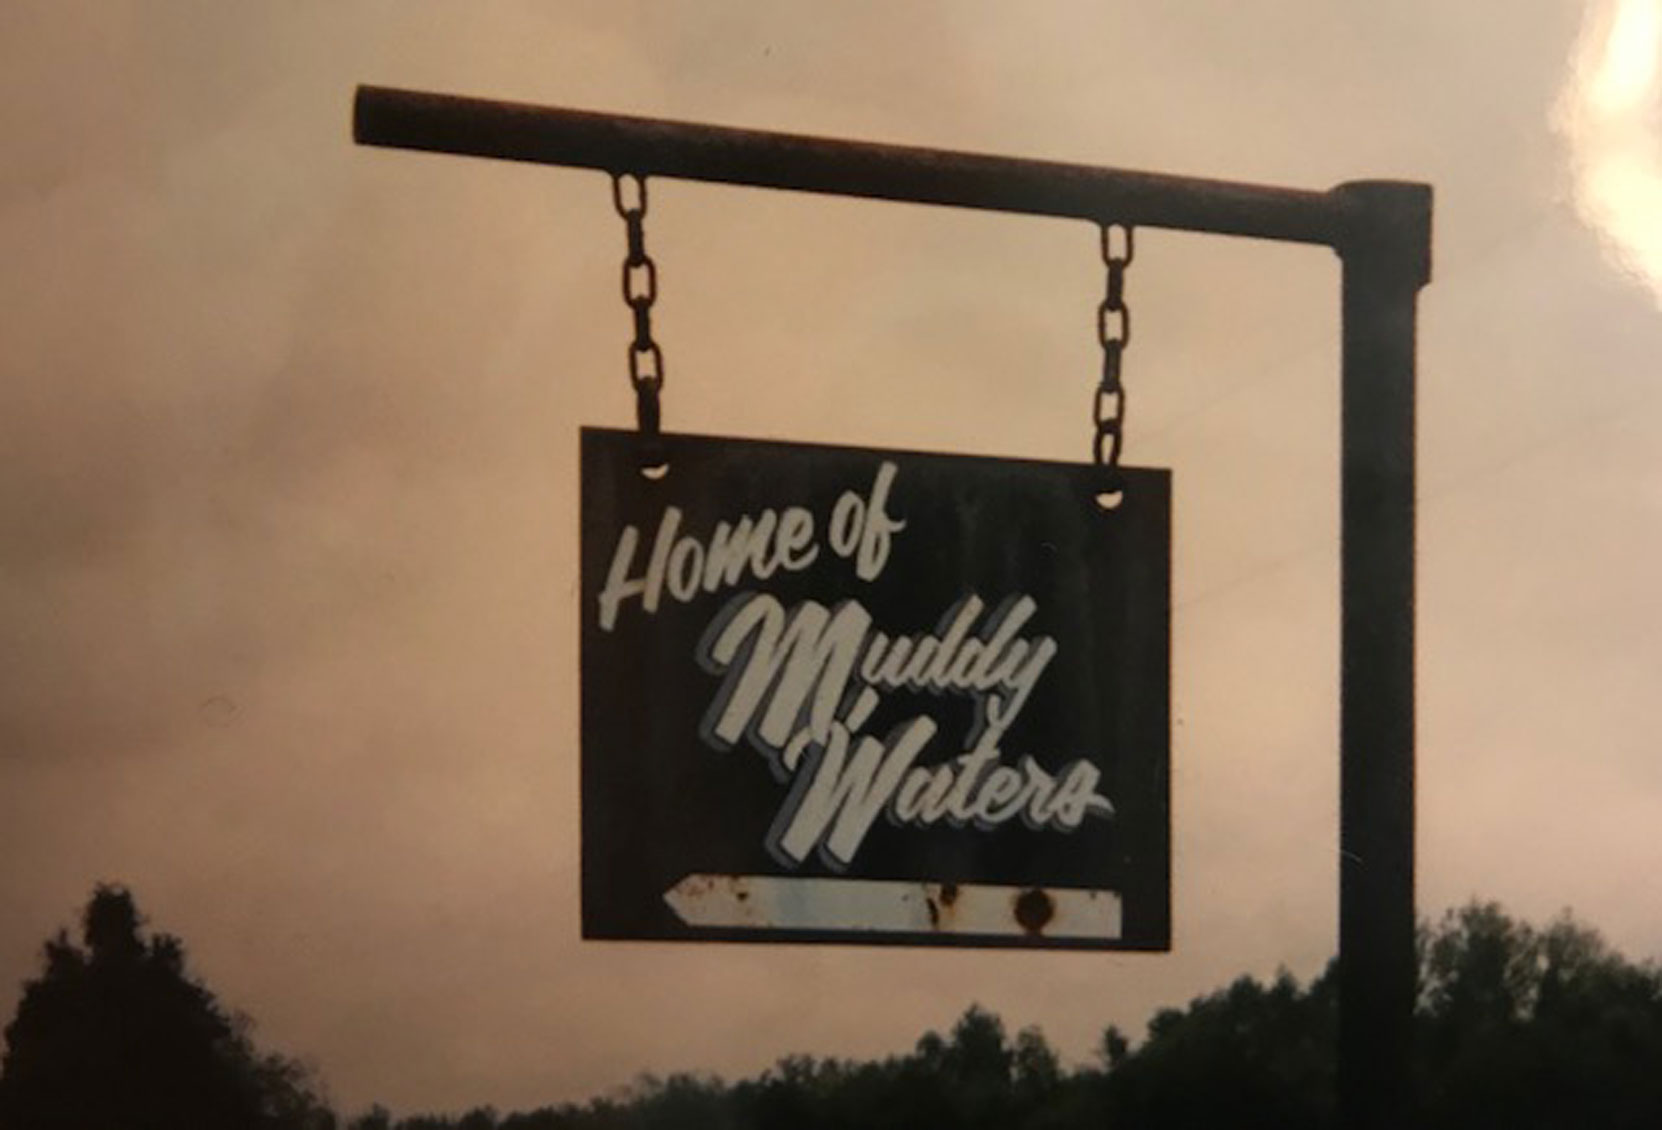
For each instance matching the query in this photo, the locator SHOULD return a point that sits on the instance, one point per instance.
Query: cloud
(1610, 114)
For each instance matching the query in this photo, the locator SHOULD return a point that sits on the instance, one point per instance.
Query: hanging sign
(833, 694)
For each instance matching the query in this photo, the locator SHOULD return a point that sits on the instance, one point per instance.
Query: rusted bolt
(1034, 910)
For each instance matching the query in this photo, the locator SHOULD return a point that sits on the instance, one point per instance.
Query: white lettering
(848, 515)
(686, 565)
(756, 546)
(648, 588)
(842, 796)
(793, 659)
(878, 528)
(800, 684)
(788, 674)
(978, 789)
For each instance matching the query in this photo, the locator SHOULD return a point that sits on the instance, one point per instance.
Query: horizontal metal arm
(442, 123)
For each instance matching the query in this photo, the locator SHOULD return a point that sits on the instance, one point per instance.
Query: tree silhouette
(1517, 1027)
(1527, 1028)
(118, 1036)
(1247, 1056)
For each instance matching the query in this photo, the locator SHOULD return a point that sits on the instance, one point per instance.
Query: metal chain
(1113, 331)
(640, 291)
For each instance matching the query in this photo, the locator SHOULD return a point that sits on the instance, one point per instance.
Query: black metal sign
(841, 694)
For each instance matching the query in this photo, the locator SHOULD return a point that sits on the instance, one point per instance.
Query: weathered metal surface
(479, 127)
(819, 904)
(906, 697)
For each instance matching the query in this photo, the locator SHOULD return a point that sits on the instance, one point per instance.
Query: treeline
(1517, 1027)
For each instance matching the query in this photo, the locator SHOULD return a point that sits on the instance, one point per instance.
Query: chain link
(640, 291)
(1113, 331)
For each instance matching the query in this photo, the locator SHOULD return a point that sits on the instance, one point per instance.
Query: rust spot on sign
(739, 887)
(1034, 910)
(940, 904)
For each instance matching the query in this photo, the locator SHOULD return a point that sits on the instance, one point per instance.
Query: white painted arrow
(765, 902)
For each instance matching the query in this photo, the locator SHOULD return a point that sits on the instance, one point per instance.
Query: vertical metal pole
(1385, 249)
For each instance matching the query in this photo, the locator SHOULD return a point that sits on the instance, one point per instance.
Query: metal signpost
(1381, 231)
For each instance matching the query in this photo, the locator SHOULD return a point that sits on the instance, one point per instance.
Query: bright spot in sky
(1609, 114)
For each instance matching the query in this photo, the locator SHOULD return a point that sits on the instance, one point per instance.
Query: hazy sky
(288, 625)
